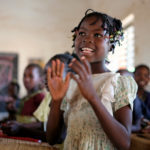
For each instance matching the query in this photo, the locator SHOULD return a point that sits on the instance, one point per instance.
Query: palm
(56, 85)
(57, 88)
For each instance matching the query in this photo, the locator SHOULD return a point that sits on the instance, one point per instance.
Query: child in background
(33, 81)
(12, 101)
(97, 104)
(141, 111)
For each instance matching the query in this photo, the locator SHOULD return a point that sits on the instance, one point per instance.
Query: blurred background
(35, 30)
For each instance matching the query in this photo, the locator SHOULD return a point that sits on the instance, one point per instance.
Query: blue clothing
(141, 108)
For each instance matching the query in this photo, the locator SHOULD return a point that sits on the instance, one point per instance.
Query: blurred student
(141, 111)
(33, 81)
(12, 100)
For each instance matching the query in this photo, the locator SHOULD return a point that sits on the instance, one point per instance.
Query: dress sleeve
(125, 92)
(42, 111)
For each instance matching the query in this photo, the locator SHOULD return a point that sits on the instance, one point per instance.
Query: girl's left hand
(84, 80)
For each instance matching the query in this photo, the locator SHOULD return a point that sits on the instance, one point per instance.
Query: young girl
(97, 104)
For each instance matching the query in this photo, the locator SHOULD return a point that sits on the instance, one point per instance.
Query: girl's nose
(88, 39)
(26, 79)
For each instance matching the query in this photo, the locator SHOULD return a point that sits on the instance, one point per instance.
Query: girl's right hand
(56, 85)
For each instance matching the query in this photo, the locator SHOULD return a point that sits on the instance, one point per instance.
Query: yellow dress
(84, 131)
(42, 111)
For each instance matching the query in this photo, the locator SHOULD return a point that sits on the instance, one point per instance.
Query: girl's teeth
(87, 49)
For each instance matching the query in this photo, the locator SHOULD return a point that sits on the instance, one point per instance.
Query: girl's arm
(33, 130)
(118, 129)
(55, 123)
(58, 88)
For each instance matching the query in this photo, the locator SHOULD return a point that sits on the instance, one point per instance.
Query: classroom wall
(42, 28)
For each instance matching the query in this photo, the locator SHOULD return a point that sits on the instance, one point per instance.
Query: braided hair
(112, 26)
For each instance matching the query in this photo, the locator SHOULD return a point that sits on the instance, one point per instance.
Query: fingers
(82, 69)
(58, 63)
(75, 78)
(86, 64)
(53, 68)
(57, 68)
(78, 68)
(49, 70)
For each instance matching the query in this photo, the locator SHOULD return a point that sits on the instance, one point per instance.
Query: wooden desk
(140, 142)
(12, 144)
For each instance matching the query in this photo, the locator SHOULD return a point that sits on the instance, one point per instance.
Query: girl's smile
(87, 51)
(91, 40)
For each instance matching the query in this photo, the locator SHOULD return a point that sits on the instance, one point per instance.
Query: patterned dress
(84, 131)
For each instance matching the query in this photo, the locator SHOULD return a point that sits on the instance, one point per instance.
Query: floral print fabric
(84, 131)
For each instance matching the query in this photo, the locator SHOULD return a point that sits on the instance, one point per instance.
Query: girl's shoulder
(126, 82)
(125, 91)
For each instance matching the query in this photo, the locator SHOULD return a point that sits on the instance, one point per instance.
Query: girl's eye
(98, 35)
(82, 33)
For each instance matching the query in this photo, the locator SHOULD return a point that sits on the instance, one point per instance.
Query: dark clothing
(30, 103)
(141, 108)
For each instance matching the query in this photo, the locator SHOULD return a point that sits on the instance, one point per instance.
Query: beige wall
(41, 28)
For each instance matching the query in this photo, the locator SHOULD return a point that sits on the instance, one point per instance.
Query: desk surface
(140, 142)
(12, 144)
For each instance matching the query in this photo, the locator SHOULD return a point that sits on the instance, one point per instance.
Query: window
(123, 57)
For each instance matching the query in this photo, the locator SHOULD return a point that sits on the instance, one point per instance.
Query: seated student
(12, 100)
(35, 130)
(141, 111)
(32, 79)
(26, 121)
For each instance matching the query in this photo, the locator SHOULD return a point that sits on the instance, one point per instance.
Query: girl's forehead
(142, 70)
(92, 21)
(31, 70)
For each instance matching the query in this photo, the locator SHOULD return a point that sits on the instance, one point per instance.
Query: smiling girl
(95, 104)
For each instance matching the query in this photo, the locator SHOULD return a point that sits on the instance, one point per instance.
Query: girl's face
(91, 40)
(141, 77)
(31, 78)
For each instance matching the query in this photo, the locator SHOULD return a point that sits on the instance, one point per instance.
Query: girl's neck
(98, 67)
(140, 92)
(33, 91)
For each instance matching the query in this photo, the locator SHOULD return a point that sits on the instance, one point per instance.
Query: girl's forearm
(117, 132)
(34, 125)
(54, 122)
(33, 133)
